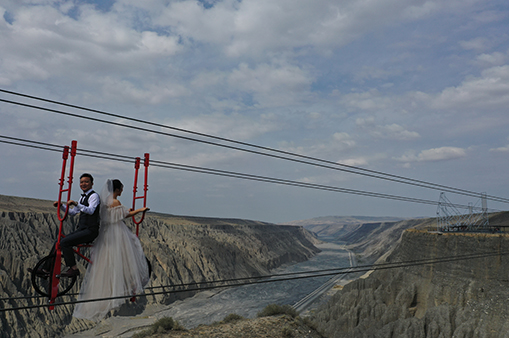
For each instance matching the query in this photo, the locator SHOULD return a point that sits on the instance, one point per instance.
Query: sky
(418, 89)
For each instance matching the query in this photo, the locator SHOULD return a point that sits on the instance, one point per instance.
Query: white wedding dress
(119, 266)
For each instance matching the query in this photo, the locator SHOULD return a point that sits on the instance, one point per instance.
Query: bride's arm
(137, 211)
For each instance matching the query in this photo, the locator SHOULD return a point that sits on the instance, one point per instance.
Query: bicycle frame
(56, 271)
(55, 278)
(135, 189)
(78, 252)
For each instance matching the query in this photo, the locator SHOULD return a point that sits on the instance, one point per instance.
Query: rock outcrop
(460, 298)
(181, 250)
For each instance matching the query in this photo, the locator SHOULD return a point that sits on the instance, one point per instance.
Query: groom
(88, 225)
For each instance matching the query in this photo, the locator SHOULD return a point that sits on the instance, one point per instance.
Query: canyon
(449, 297)
(454, 298)
(181, 249)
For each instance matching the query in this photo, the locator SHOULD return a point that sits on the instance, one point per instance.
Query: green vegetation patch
(162, 325)
(275, 310)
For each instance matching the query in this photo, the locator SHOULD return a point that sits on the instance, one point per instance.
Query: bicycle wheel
(42, 282)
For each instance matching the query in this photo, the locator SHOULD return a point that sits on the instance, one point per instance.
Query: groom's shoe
(70, 272)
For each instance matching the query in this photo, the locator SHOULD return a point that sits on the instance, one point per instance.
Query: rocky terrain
(462, 298)
(181, 250)
(459, 298)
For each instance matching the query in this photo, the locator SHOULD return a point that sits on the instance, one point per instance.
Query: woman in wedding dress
(119, 267)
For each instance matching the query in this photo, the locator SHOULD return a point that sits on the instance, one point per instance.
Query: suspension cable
(317, 273)
(224, 173)
(337, 166)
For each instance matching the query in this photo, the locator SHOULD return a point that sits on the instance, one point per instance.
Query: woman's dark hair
(117, 184)
(89, 176)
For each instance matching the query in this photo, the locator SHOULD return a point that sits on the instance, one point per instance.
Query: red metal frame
(135, 190)
(55, 278)
(145, 188)
(77, 251)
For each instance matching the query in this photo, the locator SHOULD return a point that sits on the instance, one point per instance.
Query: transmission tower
(449, 218)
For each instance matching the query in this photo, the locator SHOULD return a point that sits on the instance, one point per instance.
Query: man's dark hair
(89, 176)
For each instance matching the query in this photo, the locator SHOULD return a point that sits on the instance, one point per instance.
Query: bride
(119, 266)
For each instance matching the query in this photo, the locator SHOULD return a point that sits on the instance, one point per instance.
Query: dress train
(119, 267)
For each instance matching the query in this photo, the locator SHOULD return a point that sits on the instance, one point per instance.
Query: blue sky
(413, 88)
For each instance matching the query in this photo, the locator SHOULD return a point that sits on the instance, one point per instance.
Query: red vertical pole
(55, 273)
(145, 188)
(135, 189)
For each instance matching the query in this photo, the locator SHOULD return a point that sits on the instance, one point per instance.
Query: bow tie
(83, 195)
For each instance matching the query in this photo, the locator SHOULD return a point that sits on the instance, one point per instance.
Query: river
(248, 300)
(212, 306)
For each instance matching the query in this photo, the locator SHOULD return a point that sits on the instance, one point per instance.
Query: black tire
(42, 283)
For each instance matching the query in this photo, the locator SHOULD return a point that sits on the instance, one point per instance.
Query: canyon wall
(460, 298)
(181, 250)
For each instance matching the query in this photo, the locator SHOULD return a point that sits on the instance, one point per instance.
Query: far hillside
(332, 227)
(373, 237)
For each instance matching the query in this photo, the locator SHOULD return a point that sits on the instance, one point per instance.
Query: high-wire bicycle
(52, 283)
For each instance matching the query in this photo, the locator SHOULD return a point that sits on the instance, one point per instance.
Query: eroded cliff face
(463, 298)
(181, 250)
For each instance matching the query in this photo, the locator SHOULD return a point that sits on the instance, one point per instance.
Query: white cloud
(232, 126)
(501, 149)
(271, 85)
(252, 28)
(46, 43)
(357, 162)
(369, 100)
(479, 44)
(125, 91)
(333, 147)
(368, 73)
(490, 60)
(422, 9)
(490, 16)
(315, 115)
(389, 131)
(344, 138)
(489, 91)
(395, 132)
(435, 154)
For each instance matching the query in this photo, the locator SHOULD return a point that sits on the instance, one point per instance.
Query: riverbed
(212, 306)
(248, 300)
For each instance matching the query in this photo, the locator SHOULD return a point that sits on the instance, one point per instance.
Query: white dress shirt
(93, 202)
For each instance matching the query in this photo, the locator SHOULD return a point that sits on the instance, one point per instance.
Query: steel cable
(337, 166)
(343, 270)
(224, 173)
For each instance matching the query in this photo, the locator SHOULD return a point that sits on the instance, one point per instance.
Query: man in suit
(88, 226)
